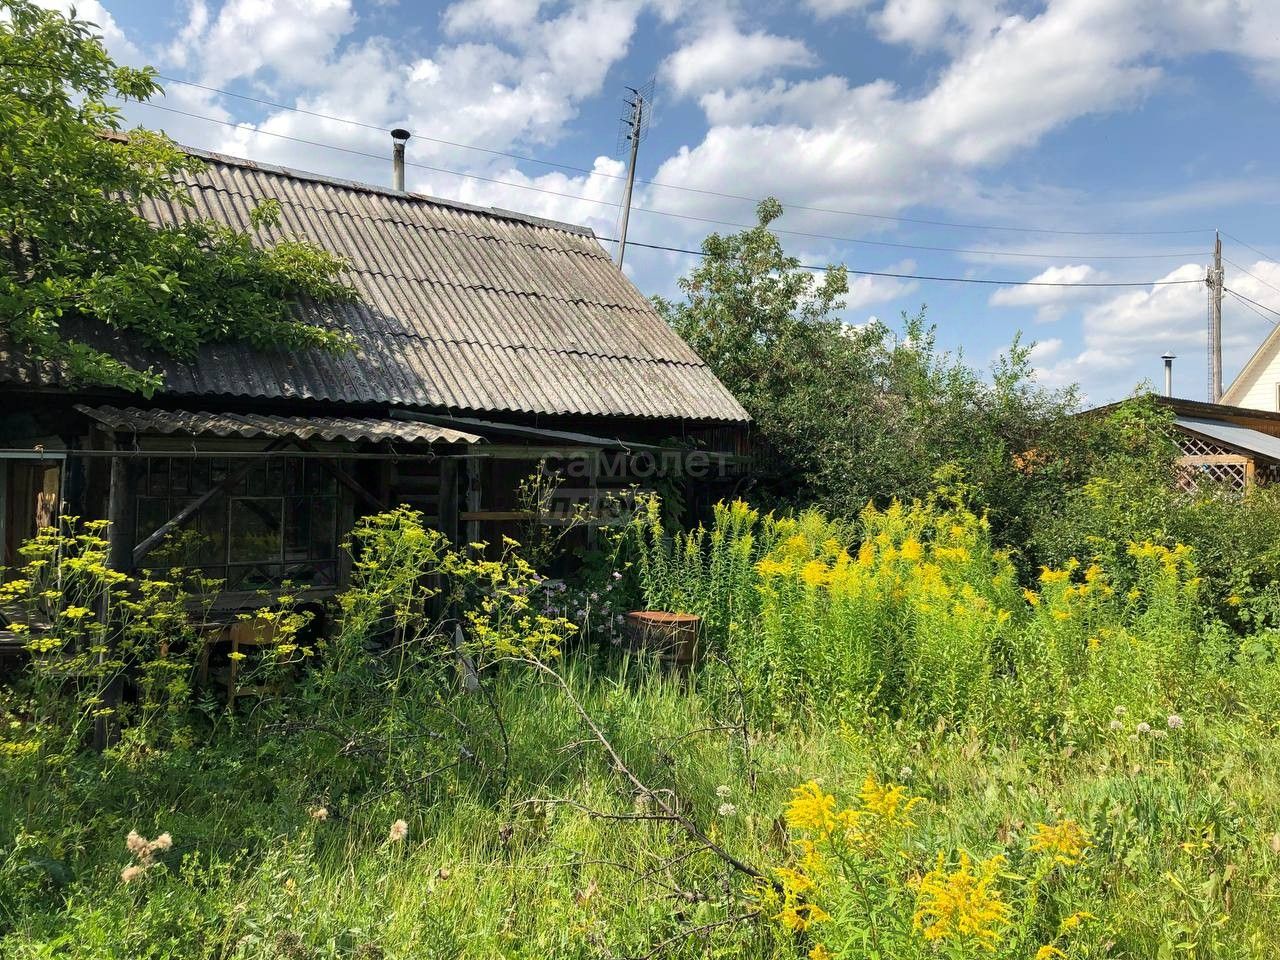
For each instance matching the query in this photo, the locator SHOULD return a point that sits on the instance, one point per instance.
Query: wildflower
(132, 873)
(811, 809)
(320, 814)
(1033, 598)
(904, 773)
(794, 882)
(1174, 721)
(162, 842)
(723, 791)
(727, 810)
(889, 802)
(136, 844)
(1120, 711)
(617, 575)
(1116, 725)
(399, 831)
(1073, 921)
(962, 904)
(1049, 952)
(820, 952)
(1066, 841)
(1143, 727)
(798, 917)
(1234, 600)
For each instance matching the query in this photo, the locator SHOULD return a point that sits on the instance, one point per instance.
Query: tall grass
(897, 660)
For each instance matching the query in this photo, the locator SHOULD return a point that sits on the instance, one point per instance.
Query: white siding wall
(1260, 393)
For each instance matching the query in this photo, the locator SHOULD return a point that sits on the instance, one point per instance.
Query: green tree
(79, 264)
(846, 414)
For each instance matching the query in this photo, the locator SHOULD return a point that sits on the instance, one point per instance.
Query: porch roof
(1233, 435)
(254, 426)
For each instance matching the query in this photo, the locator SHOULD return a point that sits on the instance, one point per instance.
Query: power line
(1249, 306)
(915, 276)
(670, 213)
(1253, 275)
(696, 253)
(673, 186)
(1249, 245)
(1241, 296)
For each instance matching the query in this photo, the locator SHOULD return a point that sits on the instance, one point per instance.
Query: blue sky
(1087, 117)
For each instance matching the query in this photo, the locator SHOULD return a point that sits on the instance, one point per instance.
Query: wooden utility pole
(1214, 282)
(637, 129)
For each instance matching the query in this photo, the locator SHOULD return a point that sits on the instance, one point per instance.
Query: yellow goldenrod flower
(820, 952)
(889, 802)
(798, 917)
(962, 905)
(1073, 921)
(1033, 598)
(813, 573)
(811, 809)
(1054, 576)
(793, 881)
(1049, 952)
(1066, 841)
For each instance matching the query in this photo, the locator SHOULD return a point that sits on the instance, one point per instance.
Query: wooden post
(119, 557)
(448, 509)
(473, 498)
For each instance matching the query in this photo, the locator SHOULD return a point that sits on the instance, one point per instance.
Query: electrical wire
(1249, 245)
(915, 276)
(680, 216)
(1253, 275)
(672, 186)
(1248, 306)
(696, 253)
(1241, 296)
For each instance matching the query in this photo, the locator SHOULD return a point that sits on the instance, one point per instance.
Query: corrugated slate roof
(459, 307)
(251, 426)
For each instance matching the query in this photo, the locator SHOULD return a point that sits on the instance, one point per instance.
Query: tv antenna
(635, 127)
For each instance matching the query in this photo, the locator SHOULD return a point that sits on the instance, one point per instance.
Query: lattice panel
(1193, 446)
(1205, 461)
(1191, 475)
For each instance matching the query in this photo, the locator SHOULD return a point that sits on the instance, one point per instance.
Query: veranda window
(278, 522)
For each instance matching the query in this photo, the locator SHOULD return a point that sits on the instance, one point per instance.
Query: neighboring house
(488, 342)
(1222, 443)
(1257, 386)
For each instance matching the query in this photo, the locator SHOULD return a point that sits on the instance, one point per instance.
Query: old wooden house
(487, 342)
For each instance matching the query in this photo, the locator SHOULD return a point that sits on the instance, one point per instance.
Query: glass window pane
(159, 476)
(274, 483)
(294, 477)
(319, 480)
(217, 471)
(179, 470)
(151, 513)
(199, 476)
(254, 529)
(324, 524)
(297, 528)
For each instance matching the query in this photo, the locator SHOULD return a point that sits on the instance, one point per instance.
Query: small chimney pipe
(1168, 359)
(399, 136)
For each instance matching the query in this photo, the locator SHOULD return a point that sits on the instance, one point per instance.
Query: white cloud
(120, 46)
(825, 9)
(479, 16)
(930, 23)
(1050, 302)
(723, 56)
(294, 39)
